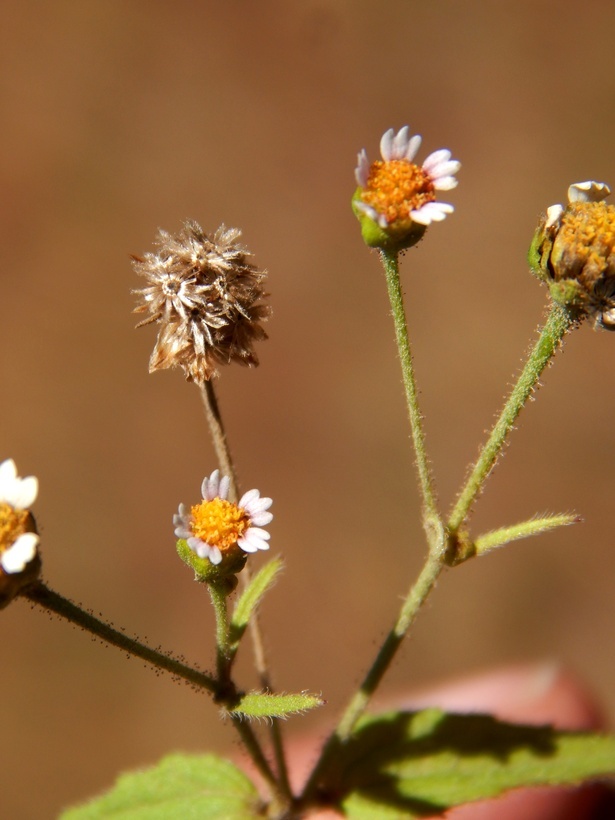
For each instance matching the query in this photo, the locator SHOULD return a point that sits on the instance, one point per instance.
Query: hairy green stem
(218, 594)
(227, 467)
(558, 322)
(413, 602)
(40, 594)
(431, 518)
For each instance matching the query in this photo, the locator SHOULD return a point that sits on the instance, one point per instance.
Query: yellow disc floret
(585, 242)
(219, 523)
(12, 525)
(397, 187)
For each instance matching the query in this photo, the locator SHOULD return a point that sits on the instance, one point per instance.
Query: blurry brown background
(122, 117)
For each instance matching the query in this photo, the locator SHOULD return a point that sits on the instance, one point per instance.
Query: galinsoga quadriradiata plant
(208, 303)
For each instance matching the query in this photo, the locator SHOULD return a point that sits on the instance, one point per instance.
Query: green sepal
(538, 254)
(396, 237)
(535, 526)
(265, 705)
(232, 562)
(203, 786)
(568, 293)
(250, 599)
(420, 764)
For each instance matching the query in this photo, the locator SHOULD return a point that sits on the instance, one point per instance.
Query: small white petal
(445, 183)
(413, 146)
(589, 191)
(183, 532)
(225, 483)
(445, 169)
(253, 540)
(24, 493)
(257, 532)
(209, 487)
(386, 145)
(8, 471)
(366, 209)
(554, 214)
(361, 172)
(19, 554)
(197, 545)
(215, 556)
(247, 546)
(261, 519)
(431, 212)
(400, 143)
(249, 496)
(258, 505)
(435, 159)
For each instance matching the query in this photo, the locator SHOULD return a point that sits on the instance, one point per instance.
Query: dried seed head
(573, 252)
(207, 299)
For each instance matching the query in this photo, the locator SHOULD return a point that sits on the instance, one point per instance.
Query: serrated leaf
(204, 787)
(251, 597)
(264, 705)
(409, 765)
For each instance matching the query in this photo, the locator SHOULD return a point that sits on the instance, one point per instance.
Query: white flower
(17, 546)
(216, 524)
(398, 190)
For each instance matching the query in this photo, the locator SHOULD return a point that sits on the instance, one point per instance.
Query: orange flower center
(219, 523)
(12, 525)
(586, 239)
(396, 188)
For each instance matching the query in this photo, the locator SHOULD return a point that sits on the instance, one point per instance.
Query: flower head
(216, 528)
(207, 298)
(396, 200)
(573, 251)
(19, 559)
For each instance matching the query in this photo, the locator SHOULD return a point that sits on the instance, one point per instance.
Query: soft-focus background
(120, 117)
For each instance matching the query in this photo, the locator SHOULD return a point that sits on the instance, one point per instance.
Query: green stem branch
(40, 594)
(559, 321)
(227, 467)
(413, 602)
(431, 518)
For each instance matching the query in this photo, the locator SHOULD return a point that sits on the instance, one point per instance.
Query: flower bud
(573, 252)
(396, 201)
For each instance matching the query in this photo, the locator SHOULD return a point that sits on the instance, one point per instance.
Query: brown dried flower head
(573, 252)
(207, 298)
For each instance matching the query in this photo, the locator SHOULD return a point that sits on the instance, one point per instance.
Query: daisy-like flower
(216, 527)
(207, 298)
(19, 559)
(396, 199)
(574, 253)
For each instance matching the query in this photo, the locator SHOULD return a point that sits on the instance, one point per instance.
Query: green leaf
(535, 526)
(264, 705)
(406, 765)
(251, 597)
(204, 787)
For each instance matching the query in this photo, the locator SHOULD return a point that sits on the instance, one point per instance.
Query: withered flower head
(573, 252)
(207, 298)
